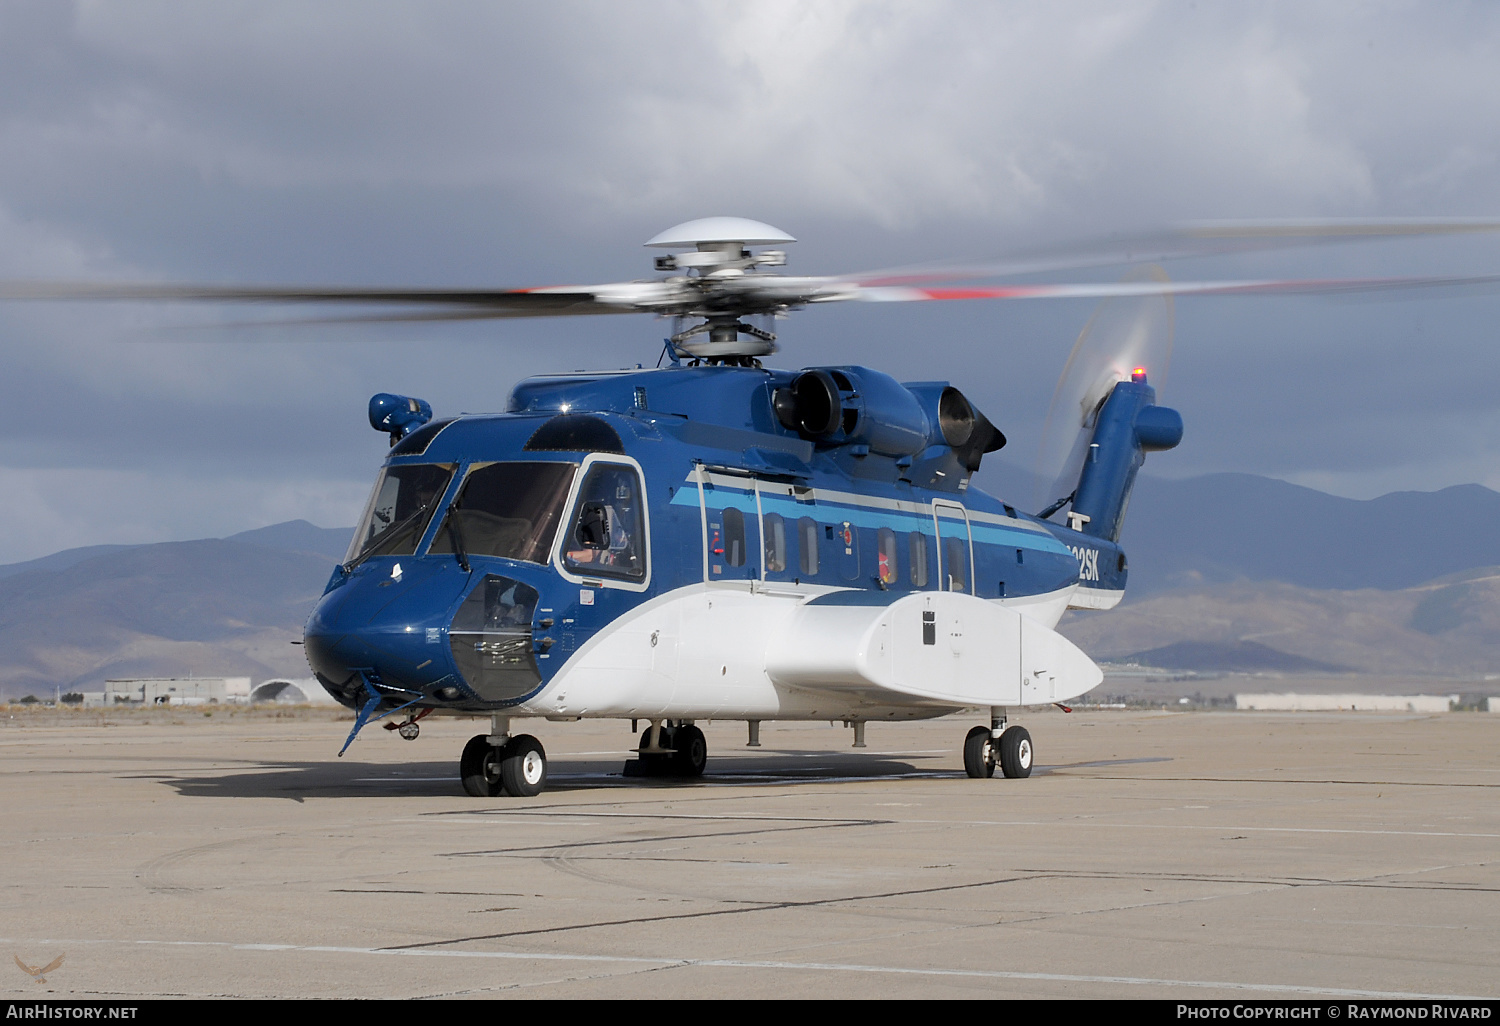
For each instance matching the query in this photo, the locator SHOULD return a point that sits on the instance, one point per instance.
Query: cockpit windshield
(509, 510)
(400, 508)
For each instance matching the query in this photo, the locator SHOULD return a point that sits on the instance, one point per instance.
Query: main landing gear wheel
(479, 767)
(523, 767)
(692, 752)
(1015, 752)
(517, 768)
(979, 753)
(655, 764)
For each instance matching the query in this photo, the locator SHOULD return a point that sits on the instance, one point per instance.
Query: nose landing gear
(515, 766)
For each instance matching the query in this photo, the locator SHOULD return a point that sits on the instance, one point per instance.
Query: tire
(1015, 752)
(479, 767)
(979, 753)
(692, 752)
(658, 765)
(523, 767)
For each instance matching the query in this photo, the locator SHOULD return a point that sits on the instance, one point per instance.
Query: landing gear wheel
(656, 764)
(1015, 752)
(979, 753)
(523, 767)
(479, 767)
(692, 752)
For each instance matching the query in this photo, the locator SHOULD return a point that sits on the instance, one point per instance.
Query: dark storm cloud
(487, 144)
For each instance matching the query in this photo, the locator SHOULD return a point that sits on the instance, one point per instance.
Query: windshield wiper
(373, 548)
(456, 535)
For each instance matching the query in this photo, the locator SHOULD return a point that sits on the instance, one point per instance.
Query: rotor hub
(719, 254)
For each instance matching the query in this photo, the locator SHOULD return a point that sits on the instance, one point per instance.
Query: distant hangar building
(1294, 702)
(306, 691)
(171, 691)
(207, 691)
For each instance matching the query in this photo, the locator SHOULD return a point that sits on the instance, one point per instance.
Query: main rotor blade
(396, 317)
(1113, 290)
(526, 302)
(738, 294)
(1191, 239)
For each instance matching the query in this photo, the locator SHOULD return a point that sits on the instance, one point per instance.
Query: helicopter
(713, 539)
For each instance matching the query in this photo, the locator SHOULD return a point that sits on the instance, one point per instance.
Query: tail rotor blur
(1126, 336)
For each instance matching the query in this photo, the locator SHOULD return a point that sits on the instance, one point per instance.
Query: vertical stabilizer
(1128, 425)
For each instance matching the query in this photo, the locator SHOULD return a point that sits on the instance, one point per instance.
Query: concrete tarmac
(1189, 856)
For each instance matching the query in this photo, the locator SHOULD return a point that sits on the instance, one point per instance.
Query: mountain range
(215, 607)
(1228, 572)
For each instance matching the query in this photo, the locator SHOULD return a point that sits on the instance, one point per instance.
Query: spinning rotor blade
(747, 295)
(1115, 290)
(730, 284)
(1193, 239)
(1125, 334)
(536, 302)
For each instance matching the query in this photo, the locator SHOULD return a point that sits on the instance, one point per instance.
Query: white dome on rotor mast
(712, 232)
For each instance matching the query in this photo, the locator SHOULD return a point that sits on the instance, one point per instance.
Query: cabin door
(955, 546)
(731, 526)
(787, 529)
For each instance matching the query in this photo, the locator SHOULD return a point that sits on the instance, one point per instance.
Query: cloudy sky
(509, 144)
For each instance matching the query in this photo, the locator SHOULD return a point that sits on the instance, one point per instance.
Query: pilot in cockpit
(604, 530)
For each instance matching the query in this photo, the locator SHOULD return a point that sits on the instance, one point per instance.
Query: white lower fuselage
(756, 650)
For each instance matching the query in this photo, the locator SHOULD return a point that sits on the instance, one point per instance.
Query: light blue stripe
(719, 498)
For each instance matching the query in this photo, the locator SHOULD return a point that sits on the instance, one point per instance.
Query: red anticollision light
(1139, 374)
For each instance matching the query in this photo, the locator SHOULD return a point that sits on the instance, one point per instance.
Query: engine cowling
(835, 406)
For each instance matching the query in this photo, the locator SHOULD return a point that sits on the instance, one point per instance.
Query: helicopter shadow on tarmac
(298, 781)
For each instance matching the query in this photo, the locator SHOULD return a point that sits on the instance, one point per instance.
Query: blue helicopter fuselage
(675, 543)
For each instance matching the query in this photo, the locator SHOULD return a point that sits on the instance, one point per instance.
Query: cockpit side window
(607, 532)
(399, 510)
(509, 510)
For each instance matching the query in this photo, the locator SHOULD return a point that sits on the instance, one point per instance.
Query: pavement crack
(610, 841)
(761, 907)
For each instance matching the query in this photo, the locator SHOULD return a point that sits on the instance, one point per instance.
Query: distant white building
(295, 691)
(171, 691)
(1291, 702)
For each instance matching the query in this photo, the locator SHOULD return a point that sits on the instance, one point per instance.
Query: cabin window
(918, 549)
(775, 529)
(956, 563)
(886, 555)
(608, 533)
(807, 546)
(846, 544)
(510, 510)
(400, 507)
(734, 537)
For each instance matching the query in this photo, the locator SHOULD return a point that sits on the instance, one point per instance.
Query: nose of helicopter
(426, 628)
(385, 621)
